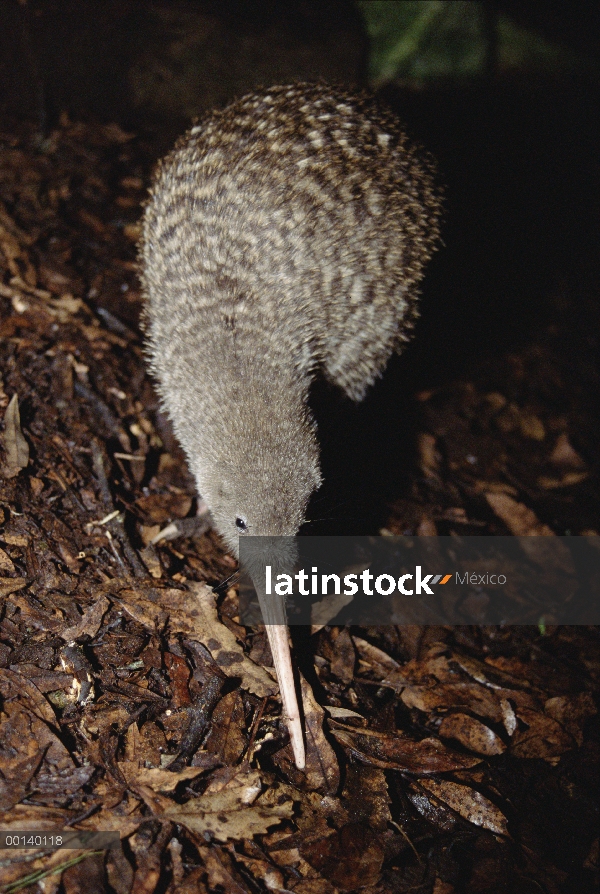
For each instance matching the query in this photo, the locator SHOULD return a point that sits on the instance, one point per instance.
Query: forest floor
(440, 759)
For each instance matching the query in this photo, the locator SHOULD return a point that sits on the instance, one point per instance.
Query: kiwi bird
(285, 236)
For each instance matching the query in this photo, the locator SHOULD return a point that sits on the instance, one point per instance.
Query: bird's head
(262, 476)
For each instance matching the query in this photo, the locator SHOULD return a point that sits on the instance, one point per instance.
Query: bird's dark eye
(241, 524)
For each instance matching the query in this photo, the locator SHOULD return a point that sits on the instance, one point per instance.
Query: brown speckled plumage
(285, 235)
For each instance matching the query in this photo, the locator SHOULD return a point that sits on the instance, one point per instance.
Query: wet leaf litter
(132, 698)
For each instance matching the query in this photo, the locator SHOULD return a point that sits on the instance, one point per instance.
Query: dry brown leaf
(324, 611)
(32, 816)
(314, 886)
(572, 711)
(517, 517)
(193, 612)
(509, 718)
(391, 752)
(16, 775)
(427, 528)
(350, 858)
(565, 455)
(10, 585)
(468, 695)
(6, 563)
(379, 663)
(488, 674)
(568, 480)
(531, 426)
(471, 733)
(155, 778)
(28, 738)
(226, 736)
(515, 418)
(552, 555)
(469, 803)
(14, 686)
(322, 770)
(429, 459)
(161, 508)
(342, 714)
(263, 871)
(150, 558)
(15, 445)
(366, 796)
(339, 650)
(220, 871)
(89, 623)
(544, 737)
(232, 813)
(224, 647)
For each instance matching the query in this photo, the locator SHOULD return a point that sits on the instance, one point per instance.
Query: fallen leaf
(29, 740)
(427, 528)
(89, 623)
(471, 733)
(161, 508)
(322, 769)
(366, 796)
(391, 752)
(469, 696)
(339, 650)
(323, 612)
(10, 585)
(518, 518)
(220, 871)
(379, 663)
(232, 813)
(429, 458)
(572, 711)
(262, 870)
(565, 455)
(568, 480)
(223, 646)
(509, 718)
(552, 555)
(227, 723)
(15, 445)
(544, 737)
(361, 852)
(193, 612)
(344, 714)
(468, 803)
(515, 418)
(16, 776)
(6, 563)
(154, 777)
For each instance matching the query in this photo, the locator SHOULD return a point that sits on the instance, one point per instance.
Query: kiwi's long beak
(278, 635)
(279, 553)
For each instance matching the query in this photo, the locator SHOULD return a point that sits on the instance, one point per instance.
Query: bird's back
(292, 227)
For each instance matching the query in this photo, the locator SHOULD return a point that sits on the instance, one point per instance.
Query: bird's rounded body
(285, 236)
